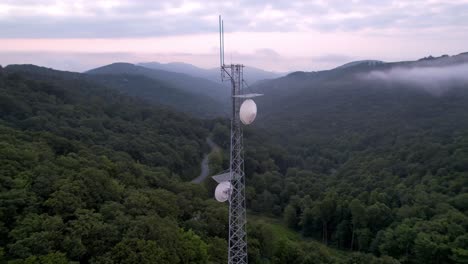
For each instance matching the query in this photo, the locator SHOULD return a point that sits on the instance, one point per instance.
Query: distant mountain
(303, 100)
(137, 85)
(362, 62)
(74, 106)
(251, 74)
(197, 105)
(303, 81)
(41, 73)
(189, 94)
(194, 85)
(181, 67)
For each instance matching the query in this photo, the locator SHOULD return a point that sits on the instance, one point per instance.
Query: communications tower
(232, 183)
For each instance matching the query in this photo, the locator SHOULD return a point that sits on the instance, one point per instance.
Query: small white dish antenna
(223, 191)
(248, 112)
(250, 95)
(222, 177)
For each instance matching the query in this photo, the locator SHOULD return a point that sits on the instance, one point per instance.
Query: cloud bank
(433, 79)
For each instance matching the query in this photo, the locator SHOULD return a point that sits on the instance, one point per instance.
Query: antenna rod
(222, 29)
(220, 43)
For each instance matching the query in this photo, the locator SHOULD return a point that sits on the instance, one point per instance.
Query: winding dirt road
(205, 164)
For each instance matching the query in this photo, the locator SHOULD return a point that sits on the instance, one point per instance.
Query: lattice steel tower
(232, 183)
(237, 252)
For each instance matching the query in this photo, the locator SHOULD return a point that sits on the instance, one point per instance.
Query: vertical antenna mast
(221, 48)
(222, 34)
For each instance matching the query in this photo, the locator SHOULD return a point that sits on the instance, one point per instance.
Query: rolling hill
(196, 96)
(251, 74)
(363, 84)
(137, 85)
(184, 82)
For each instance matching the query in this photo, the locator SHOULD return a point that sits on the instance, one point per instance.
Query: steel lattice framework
(237, 252)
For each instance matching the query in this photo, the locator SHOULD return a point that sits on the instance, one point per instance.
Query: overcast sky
(280, 35)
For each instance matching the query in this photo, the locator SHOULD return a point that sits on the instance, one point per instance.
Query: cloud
(282, 35)
(149, 18)
(333, 58)
(432, 79)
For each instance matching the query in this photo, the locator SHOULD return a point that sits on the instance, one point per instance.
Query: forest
(365, 165)
(349, 174)
(91, 176)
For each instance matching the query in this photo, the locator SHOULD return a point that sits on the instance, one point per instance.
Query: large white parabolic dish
(248, 112)
(222, 191)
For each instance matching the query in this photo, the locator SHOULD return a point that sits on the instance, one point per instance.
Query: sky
(280, 35)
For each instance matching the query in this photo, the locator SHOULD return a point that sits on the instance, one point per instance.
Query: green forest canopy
(93, 176)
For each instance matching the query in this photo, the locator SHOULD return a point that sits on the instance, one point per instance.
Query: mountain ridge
(181, 81)
(251, 74)
(136, 85)
(364, 65)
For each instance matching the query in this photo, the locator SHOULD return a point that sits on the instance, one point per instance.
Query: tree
(217, 250)
(36, 235)
(398, 242)
(134, 251)
(358, 218)
(91, 234)
(287, 252)
(51, 258)
(378, 216)
(192, 249)
(459, 249)
(327, 209)
(290, 216)
(310, 222)
(431, 248)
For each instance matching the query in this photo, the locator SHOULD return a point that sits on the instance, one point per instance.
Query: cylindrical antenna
(222, 30)
(220, 43)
